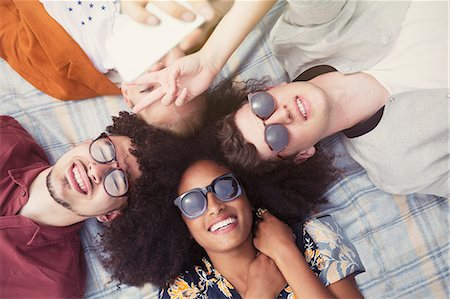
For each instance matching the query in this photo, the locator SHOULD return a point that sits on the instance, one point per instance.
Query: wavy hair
(151, 243)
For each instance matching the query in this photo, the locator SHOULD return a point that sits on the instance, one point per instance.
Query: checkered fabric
(402, 240)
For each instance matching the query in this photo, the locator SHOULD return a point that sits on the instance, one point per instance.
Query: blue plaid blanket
(402, 240)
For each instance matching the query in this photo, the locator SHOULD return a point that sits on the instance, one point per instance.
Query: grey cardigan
(408, 150)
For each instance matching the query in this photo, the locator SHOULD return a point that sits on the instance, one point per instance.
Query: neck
(42, 209)
(353, 98)
(234, 265)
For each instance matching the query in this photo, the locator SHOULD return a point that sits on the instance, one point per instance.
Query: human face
(210, 230)
(90, 198)
(301, 107)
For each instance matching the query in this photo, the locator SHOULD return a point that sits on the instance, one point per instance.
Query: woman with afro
(204, 230)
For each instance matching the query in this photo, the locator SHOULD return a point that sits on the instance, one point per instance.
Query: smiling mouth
(75, 178)
(222, 224)
(301, 107)
(79, 180)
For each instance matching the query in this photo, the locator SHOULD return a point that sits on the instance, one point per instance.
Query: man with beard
(42, 206)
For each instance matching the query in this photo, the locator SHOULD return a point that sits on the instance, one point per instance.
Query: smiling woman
(200, 221)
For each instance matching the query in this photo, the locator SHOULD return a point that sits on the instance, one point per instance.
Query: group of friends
(212, 193)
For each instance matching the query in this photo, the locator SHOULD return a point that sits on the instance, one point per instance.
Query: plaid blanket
(402, 240)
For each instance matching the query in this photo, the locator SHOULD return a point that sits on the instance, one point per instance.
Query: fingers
(265, 214)
(152, 97)
(136, 10)
(168, 99)
(174, 73)
(175, 10)
(182, 98)
(204, 8)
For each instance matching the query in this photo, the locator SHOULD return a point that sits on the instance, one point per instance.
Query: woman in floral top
(266, 264)
(194, 241)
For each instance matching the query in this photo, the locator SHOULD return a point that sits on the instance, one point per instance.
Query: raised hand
(185, 79)
(272, 236)
(264, 279)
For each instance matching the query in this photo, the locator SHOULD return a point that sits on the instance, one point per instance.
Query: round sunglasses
(115, 181)
(262, 105)
(194, 202)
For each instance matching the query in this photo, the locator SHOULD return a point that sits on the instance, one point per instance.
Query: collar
(365, 126)
(25, 175)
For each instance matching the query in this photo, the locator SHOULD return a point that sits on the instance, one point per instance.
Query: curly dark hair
(151, 243)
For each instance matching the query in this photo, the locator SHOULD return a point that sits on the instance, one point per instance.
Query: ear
(304, 155)
(109, 216)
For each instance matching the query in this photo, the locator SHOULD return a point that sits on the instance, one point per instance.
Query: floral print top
(329, 253)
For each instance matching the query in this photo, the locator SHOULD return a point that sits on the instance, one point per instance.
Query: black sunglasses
(262, 105)
(194, 202)
(115, 181)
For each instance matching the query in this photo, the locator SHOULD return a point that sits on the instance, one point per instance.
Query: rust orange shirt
(42, 52)
(36, 261)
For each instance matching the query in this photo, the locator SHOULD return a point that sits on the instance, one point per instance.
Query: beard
(52, 190)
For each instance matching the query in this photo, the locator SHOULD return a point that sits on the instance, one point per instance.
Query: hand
(137, 11)
(272, 236)
(185, 79)
(264, 279)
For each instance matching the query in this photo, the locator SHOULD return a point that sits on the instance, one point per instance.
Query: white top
(418, 58)
(115, 41)
(89, 23)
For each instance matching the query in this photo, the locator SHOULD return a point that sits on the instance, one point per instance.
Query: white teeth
(301, 107)
(80, 182)
(222, 224)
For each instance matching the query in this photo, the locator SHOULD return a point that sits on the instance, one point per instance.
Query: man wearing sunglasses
(42, 206)
(386, 91)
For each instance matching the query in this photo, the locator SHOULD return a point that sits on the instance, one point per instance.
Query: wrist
(213, 62)
(285, 253)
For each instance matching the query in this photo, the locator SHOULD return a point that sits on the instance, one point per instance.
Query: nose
(281, 115)
(215, 206)
(96, 171)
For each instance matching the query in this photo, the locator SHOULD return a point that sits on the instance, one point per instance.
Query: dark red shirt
(36, 261)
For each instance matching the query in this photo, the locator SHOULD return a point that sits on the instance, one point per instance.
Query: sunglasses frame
(204, 191)
(250, 96)
(105, 136)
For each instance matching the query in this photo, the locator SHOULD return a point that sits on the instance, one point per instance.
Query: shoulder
(17, 146)
(11, 132)
(330, 254)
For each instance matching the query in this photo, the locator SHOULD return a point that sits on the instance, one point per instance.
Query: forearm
(232, 30)
(299, 275)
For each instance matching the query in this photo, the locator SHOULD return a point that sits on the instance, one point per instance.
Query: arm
(346, 288)
(189, 76)
(275, 239)
(264, 279)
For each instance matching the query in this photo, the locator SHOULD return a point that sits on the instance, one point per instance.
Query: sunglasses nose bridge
(213, 203)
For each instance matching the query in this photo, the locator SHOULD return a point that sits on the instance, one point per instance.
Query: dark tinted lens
(102, 150)
(116, 183)
(262, 104)
(277, 137)
(193, 203)
(226, 188)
